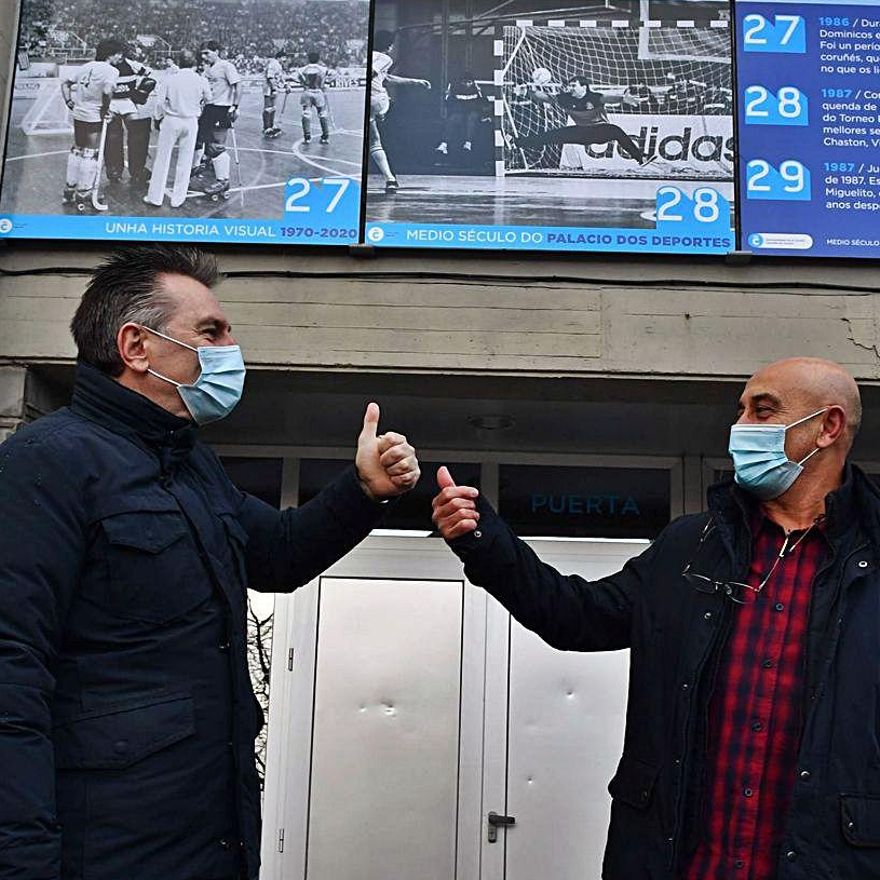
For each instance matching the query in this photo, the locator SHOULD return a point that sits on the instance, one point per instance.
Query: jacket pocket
(154, 572)
(860, 818)
(119, 736)
(633, 784)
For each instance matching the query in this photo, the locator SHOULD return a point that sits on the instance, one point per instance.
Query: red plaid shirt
(756, 715)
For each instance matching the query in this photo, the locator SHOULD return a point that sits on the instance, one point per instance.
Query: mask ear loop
(165, 378)
(809, 456)
(800, 422)
(793, 424)
(176, 342)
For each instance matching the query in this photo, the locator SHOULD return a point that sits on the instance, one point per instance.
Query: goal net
(48, 114)
(666, 84)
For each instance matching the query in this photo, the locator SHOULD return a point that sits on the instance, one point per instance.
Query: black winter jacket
(127, 718)
(676, 636)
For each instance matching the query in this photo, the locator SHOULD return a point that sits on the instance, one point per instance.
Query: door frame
(289, 759)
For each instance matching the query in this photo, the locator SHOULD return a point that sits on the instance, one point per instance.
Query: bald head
(795, 387)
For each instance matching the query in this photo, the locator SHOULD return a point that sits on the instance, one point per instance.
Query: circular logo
(375, 234)
(756, 240)
(5, 225)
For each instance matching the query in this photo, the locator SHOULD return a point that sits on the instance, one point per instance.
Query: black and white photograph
(529, 113)
(184, 110)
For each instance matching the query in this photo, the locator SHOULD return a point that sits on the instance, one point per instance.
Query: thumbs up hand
(386, 464)
(455, 510)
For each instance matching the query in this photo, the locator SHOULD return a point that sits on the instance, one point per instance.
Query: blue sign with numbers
(809, 135)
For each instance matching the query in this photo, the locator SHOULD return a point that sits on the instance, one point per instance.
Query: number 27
(302, 187)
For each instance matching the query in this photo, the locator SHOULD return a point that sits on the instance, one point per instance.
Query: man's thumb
(371, 422)
(444, 478)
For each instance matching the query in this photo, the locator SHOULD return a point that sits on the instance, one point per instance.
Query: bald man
(752, 745)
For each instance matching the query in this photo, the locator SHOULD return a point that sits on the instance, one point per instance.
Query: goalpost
(48, 114)
(682, 70)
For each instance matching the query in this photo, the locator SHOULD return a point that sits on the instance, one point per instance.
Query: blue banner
(322, 212)
(809, 133)
(695, 222)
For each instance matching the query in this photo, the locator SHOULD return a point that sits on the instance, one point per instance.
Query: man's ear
(833, 426)
(130, 343)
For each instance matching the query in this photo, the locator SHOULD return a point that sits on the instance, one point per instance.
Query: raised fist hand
(455, 509)
(386, 464)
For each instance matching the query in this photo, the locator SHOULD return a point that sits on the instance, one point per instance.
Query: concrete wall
(513, 316)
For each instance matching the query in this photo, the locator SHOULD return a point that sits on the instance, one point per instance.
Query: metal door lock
(496, 822)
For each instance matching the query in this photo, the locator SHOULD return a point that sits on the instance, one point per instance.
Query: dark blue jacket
(676, 636)
(127, 718)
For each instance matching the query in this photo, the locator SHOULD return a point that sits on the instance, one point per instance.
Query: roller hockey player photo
(585, 111)
(312, 78)
(186, 110)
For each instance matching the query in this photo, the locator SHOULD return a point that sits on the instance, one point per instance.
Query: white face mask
(219, 387)
(760, 464)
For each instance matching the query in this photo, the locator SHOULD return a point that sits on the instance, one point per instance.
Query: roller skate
(220, 190)
(67, 195)
(201, 180)
(307, 138)
(270, 133)
(325, 138)
(392, 186)
(82, 199)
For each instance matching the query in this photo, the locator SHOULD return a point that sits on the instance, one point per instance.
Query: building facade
(589, 396)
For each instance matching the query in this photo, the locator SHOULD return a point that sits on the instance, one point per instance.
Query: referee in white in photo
(182, 95)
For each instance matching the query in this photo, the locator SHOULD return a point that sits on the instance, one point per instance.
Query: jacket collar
(855, 502)
(101, 399)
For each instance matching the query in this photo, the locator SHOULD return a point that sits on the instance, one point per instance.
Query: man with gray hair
(127, 718)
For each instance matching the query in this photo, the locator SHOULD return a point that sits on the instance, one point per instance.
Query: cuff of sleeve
(351, 505)
(482, 535)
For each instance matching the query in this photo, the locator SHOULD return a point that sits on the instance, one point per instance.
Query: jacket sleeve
(567, 611)
(42, 545)
(286, 549)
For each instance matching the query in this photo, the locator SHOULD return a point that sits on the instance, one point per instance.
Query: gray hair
(126, 288)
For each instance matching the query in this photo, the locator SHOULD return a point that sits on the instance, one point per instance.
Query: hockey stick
(97, 204)
(237, 163)
(331, 118)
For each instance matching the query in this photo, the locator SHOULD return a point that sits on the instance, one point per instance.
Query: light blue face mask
(219, 386)
(760, 464)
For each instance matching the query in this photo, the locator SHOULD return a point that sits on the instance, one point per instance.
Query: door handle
(496, 822)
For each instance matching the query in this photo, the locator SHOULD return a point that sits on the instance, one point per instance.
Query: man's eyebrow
(215, 323)
(765, 397)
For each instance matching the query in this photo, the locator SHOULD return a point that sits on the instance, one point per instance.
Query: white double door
(407, 706)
